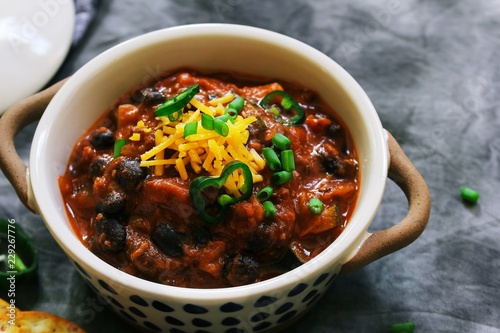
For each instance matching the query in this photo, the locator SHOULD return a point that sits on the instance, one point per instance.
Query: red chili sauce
(144, 224)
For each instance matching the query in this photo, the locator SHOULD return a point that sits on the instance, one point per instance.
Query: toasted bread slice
(5, 313)
(34, 322)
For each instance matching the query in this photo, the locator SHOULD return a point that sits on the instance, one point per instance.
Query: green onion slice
(281, 141)
(237, 104)
(288, 160)
(225, 117)
(232, 113)
(274, 111)
(207, 121)
(190, 128)
(315, 206)
(220, 127)
(269, 210)
(402, 327)
(281, 177)
(271, 158)
(265, 193)
(225, 200)
(469, 194)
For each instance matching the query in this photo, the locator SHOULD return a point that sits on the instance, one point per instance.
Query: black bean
(154, 97)
(241, 270)
(138, 97)
(333, 129)
(261, 239)
(330, 164)
(102, 137)
(129, 173)
(201, 235)
(213, 96)
(112, 204)
(97, 166)
(338, 166)
(110, 234)
(149, 96)
(168, 240)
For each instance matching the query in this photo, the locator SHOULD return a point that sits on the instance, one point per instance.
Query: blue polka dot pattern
(262, 326)
(93, 287)
(194, 309)
(331, 279)
(314, 299)
(231, 307)
(152, 326)
(113, 301)
(230, 321)
(264, 301)
(173, 321)
(284, 308)
(297, 289)
(107, 287)
(175, 330)
(320, 279)
(81, 270)
(235, 330)
(259, 316)
(309, 295)
(137, 312)
(126, 315)
(286, 316)
(198, 322)
(160, 306)
(138, 300)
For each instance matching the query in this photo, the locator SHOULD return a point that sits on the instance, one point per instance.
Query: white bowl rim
(341, 249)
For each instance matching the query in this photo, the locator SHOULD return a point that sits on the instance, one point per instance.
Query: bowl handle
(12, 121)
(387, 241)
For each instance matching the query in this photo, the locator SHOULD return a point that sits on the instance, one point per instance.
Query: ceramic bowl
(259, 307)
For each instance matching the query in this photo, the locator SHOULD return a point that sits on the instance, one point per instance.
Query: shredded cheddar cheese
(206, 149)
(135, 137)
(223, 100)
(202, 107)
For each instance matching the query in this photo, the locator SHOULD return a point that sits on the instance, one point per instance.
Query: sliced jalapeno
(224, 201)
(288, 103)
(178, 102)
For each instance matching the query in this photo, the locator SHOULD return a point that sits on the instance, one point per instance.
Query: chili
(136, 212)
